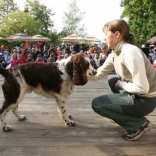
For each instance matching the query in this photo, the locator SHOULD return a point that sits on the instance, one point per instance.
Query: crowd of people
(42, 53)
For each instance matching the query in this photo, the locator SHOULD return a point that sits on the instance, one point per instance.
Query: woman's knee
(99, 102)
(112, 79)
(94, 105)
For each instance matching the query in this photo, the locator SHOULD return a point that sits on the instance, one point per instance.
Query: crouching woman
(134, 86)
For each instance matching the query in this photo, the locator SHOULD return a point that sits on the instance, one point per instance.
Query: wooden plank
(146, 150)
(74, 141)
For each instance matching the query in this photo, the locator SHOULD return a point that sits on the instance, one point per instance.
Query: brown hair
(124, 29)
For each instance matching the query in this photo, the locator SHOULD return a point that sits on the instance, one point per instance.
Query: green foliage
(72, 20)
(141, 18)
(55, 37)
(35, 19)
(6, 7)
(19, 22)
(42, 13)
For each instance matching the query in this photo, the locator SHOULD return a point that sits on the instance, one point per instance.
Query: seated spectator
(154, 64)
(97, 59)
(19, 51)
(14, 51)
(7, 57)
(30, 58)
(51, 58)
(154, 54)
(81, 51)
(38, 52)
(59, 59)
(73, 53)
(14, 61)
(58, 52)
(24, 53)
(103, 55)
(52, 50)
(63, 52)
(39, 59)
(92, 61)
(68, 49)
(104, 51)
(45, 56)
(150, 59)
(22, 59)
(76, 48)
(2, 50)
(33, 51)
(66, 55)
(45, 49)
(91, 50)
(2, 61)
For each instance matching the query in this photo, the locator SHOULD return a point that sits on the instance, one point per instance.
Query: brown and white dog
(47, 80)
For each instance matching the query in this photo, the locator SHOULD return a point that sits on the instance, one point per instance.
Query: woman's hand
(118, 85)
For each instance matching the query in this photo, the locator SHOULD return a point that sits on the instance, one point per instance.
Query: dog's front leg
(62, 110)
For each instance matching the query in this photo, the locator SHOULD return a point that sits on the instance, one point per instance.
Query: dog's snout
(94, 72)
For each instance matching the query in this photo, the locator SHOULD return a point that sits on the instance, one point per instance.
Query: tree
(141, 18)
(19, 22)
(6, 7)
(55, 37)
(72, 20)
(42, 13)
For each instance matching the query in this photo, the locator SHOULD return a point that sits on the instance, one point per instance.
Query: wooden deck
(44, 133)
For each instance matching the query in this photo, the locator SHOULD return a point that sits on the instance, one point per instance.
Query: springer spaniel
(47, 80)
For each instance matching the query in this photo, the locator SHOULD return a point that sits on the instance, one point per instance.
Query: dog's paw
(23, 117)
(7, 128)
(70, 123)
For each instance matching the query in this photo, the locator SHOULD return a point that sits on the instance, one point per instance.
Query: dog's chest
(67, 88)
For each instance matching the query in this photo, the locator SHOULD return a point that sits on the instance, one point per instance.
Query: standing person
(27, 45)
(135, 77)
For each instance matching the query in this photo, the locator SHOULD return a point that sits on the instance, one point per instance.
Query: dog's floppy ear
(80, 66)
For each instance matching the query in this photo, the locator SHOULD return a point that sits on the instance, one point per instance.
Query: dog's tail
(4, 72)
